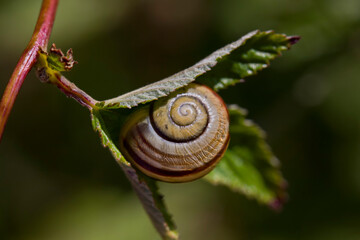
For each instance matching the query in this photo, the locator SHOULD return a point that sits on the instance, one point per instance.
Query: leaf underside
(106, 124)
(248, 165)
(224, 67)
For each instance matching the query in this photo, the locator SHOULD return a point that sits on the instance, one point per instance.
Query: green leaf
(246, 59)
(224, 67)
(248, 165)
(224, 83)
(107, 124)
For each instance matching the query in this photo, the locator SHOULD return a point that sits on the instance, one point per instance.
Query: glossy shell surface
(178, 138)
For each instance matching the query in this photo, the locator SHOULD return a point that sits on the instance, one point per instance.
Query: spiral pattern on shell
(179, 138)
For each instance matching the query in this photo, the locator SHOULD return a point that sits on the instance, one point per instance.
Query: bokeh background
(57, 182)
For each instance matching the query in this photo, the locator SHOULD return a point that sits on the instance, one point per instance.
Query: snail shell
(179, 138)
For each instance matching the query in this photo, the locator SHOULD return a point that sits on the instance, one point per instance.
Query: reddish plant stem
(71, 90)
(38, 40)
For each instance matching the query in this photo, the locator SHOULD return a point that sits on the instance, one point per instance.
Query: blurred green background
(57, 182)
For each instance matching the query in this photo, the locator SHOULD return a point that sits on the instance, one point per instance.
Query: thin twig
(71, 90)
(38, 40)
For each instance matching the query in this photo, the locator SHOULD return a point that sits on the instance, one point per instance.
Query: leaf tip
(172, 235)
(293, 39)
(277, 204)
(282, 197)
